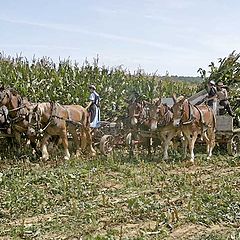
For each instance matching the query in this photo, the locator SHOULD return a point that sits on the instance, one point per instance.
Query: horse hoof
(191, 161)
(78, 153)
(93, 154)
(44, 158)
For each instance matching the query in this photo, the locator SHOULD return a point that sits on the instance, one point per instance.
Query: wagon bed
(227, 134)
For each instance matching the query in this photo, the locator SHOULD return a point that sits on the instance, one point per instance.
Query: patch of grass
(114, 197)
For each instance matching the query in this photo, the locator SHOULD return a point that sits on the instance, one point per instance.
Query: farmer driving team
(218, 92)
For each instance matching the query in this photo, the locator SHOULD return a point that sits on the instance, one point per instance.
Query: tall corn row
(66, 82)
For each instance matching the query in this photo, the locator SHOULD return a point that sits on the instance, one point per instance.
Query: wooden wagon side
(227, 134)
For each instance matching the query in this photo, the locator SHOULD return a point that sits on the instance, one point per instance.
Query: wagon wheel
(233, 146)
(106, 144)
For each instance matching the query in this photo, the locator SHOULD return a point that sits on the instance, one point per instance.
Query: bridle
(4, 114)
(38, 125)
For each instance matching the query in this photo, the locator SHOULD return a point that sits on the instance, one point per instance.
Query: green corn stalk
(66, 82)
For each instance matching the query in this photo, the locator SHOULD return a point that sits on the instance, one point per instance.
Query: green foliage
(66, 82)
(228, 72)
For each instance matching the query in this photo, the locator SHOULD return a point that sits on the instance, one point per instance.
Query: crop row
(67, 82)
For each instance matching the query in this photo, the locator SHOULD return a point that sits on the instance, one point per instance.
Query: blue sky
(177, 36)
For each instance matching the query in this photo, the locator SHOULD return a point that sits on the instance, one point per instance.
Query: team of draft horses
(182, 120)
(51, 121)
(55, 121)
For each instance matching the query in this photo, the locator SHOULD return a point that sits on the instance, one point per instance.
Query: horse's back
(207, 113)
(77, 113)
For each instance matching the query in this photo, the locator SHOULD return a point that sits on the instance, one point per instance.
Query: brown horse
(50, 119)
(18, 112)
(138, 120)
(137, 113)
(194, 121)
(161, 121)
(53, 119)
(79, 119)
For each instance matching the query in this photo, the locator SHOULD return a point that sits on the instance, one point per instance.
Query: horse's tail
(87, 118)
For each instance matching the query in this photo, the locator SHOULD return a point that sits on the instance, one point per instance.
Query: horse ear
(14, 91)
(33, 107)
(174, 98)
(158, 102)
(181, 99)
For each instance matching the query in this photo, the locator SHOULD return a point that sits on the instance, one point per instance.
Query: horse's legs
(167, 139)
(76, 139)
(83, 138)
(191, 142)
(33, 143)
(149, 145)
(89, 141)
(17, 136)
(210, 141)
(45, 155)
(185, 146)
(65, 145)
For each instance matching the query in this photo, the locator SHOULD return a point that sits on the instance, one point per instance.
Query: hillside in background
(183, 78)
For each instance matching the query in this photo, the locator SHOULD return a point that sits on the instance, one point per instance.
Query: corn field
(67, 82)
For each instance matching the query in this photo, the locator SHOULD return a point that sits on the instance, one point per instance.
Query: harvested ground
(121, 198)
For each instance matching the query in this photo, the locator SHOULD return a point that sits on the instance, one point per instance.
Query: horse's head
(159, 114)
(34, 119)
(134, 112)
(10, 98)
(178, 110)
(5, 96)
(154, 111)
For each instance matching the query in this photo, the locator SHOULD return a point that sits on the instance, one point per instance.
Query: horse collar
(191, 117)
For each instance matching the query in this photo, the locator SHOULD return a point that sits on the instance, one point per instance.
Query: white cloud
(76, 29)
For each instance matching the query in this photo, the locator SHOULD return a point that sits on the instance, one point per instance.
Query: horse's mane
(180, 98)
(13, 91)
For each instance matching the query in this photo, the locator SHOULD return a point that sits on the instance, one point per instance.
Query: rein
(17, 108)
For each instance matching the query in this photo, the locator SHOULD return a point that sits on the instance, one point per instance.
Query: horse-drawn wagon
(227, 128)
(109, 135)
